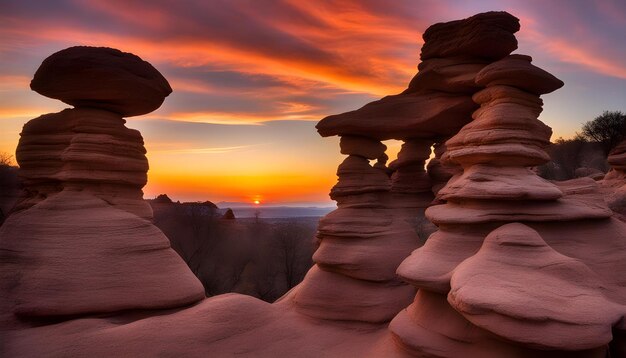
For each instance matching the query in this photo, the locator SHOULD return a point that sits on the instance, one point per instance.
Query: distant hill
(241, 209)
(280, 211)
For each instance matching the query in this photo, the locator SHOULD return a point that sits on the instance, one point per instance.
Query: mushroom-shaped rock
(487, 35)
(362, 146)
(424, 115)
(102, 77)
(517, 71)
(521, 289)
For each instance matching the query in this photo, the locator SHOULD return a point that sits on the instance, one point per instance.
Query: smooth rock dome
(103, 78)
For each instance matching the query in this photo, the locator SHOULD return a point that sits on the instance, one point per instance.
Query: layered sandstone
(375, 211)
(539, 285)
(520, 267)
(361, 244)
(79, 237)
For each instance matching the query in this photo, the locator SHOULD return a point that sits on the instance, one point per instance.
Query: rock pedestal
(376, 212)
(79, 237)
(361, 244)
(512, 286)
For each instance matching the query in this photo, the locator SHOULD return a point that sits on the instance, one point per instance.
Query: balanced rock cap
(517, 71)
(411, 115)
(102, 77)
(487, 35)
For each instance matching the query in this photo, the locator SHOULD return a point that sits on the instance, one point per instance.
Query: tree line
(586, 153)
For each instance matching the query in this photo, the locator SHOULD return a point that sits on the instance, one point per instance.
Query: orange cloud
(233, 118)
(369, 72)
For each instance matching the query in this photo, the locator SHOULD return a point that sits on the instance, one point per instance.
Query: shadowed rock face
(102, 77)
(487, 35)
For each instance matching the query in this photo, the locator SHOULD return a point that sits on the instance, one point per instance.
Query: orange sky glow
(251, 78)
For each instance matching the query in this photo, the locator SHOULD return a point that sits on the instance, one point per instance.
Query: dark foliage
(258, 257)
(569, 156)
(9, 185)
(608, 129)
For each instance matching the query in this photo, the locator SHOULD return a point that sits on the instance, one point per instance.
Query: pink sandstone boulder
(102, 77)
(521, 289)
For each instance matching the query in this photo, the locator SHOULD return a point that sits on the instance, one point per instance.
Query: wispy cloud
(231, 118)
(209, 150)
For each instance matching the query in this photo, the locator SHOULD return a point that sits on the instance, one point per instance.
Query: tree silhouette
(608, 129)
(6, 159)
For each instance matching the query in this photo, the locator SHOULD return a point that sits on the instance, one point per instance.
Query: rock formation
(519, 266)
(518, 285)
(361, 244)
(79, 239)
(374, 210)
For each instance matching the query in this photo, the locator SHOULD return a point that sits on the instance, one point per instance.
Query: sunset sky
(252, 78)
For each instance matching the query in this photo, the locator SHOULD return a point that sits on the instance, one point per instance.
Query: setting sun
(257, 202)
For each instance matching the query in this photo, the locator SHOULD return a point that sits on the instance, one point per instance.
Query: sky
(252, 77)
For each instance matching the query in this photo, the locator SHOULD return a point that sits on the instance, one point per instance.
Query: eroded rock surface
(519, 267)
(79, 242)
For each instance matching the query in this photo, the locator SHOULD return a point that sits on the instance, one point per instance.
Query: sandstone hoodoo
(518, 267)
(513, 287)
(361, 244)
(79, 238)
(376, 211)
(102, 77)
(436, 104)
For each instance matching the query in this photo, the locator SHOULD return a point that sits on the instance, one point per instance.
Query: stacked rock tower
(518, 290)
(360, 243)
(373, 229)
(79, 237)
